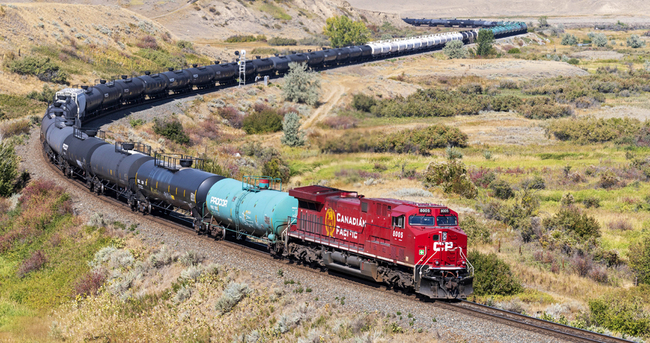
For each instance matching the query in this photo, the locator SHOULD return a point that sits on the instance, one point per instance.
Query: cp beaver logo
(330, 222)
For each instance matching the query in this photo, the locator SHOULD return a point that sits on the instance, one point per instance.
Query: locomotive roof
(319, 194)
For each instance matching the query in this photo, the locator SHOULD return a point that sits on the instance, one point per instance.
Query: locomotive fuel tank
(255, 211)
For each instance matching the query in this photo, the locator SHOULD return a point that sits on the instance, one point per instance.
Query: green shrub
(623, 311)
(598, 39)
(406, 141)
(162, 59)
(183, 44)
(514, 51)
(301, 85)
(592, 130)
(47, 95)
(276, 167)
(362, 102)
(245, 38)
(492, 275)
(452, 177)
(501, 189)
(573, 61)
(41, 67)
(172, 130)
(537, 182)
(569, 39)
(264, 121)
(136, 122)
(8, 168)
(591, 202)
(574, 222)
(477, 231)
(639, 257)
(484, 42)
(279, 41)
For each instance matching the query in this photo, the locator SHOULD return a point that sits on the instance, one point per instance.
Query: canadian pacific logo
(330, 222)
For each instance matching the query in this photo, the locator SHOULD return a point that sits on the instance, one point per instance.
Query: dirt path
(331, 98)
(174, 11)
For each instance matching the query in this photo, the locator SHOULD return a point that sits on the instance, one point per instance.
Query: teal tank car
(251, 207)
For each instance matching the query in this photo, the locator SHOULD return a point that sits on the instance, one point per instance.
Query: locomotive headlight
(437, 263)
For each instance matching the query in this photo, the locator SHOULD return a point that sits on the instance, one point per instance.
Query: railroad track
(563, 332)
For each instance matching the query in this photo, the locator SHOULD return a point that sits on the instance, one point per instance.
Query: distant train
(419, 247)
(108, 95)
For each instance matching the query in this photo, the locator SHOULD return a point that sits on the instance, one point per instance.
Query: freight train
(109, 95)
(406, 245)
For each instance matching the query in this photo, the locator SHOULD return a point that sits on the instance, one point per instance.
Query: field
(552, 139)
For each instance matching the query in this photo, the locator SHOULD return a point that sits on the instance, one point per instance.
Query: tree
(455, 49)
(569, 39)
(543, 21)
(301, 85)
(293, 136)
(599, 39)
(8, 168)
(640, 259)
(635, 42)
(485, 41)
(343, 32)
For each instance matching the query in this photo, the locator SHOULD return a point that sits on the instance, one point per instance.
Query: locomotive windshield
(421, 220)
(447, 221)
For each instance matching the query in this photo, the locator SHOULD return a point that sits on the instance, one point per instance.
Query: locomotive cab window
(421, 220)
(447, 221)
(398, 222)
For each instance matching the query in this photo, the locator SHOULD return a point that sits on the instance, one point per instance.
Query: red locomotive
(406, 245)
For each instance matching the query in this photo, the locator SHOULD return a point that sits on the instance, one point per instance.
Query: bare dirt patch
(598, 55)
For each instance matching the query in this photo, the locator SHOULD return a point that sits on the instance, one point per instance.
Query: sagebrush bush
(455, 49)
(635, 42)
(536, 182)
(623, 310)
(492, 275)
(231, 296)
(362, 102)
(190, 258)
(300, 85)
(147, 42)
(452, 177)
(163, 257)
(293, 136)
(569, 39)
(232, 115)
